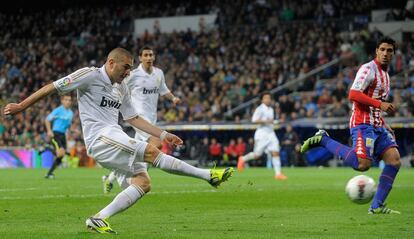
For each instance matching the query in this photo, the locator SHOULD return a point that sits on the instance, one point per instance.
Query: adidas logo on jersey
(109, 103)
(154, 90)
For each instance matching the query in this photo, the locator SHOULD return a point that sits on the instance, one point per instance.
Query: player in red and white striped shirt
(371, 86)
(372, 138)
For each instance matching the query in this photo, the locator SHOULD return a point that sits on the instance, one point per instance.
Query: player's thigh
(273, 146)
(59, 144)
(260, 145)
(384, 143)
(115, 150)
(363, 141)
(392, 157)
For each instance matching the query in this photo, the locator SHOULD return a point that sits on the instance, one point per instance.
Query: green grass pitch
(310, 204)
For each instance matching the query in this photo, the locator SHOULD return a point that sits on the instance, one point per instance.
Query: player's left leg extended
(358, 157)
(321, 138)
(173, 165)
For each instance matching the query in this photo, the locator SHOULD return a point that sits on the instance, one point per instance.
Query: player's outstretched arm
(14, 108)
(151, 129)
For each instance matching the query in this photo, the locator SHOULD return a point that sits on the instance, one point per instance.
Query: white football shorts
(116, 151)
(268, 142)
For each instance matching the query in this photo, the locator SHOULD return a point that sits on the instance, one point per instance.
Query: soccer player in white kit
(265, 138)
(101, 95)
(146, 83)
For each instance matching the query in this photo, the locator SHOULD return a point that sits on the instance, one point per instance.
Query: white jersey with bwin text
(263, 112)
(145, 89)
(99, 100)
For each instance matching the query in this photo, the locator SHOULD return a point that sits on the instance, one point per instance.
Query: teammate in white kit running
(102, 94)
(265, 138)
(146, 83)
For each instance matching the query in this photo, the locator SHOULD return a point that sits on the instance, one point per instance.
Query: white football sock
(276, 164)
(176, 166)
(249, 156)
(111, 177)
(122, 201)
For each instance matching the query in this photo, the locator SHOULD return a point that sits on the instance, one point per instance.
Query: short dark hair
(144, 48)
(265, 93)
(118, 52)
(388, 40)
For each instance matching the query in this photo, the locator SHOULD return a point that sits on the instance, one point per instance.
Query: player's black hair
(63, 96)
(145, 48)
(265, 93)
(388, 40)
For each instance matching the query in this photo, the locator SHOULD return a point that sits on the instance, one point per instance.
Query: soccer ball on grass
(360, 189)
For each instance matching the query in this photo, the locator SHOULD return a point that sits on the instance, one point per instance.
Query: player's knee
(396, 163)
(151, 152)
(146, 186)
(60, 152)
(143, 182)
(364, 165)
(392, 157)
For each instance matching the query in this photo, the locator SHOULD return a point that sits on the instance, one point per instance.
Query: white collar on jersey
(142, 69)
(105, 75)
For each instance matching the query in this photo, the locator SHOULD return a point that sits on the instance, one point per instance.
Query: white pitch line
(99, 195)
(24, 189)
(150, 193)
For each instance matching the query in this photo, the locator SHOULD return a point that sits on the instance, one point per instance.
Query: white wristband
(163, 135)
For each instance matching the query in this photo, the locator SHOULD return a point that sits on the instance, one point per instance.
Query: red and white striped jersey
(375, 83)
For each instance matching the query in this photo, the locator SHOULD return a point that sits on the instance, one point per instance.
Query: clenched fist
(387, 107)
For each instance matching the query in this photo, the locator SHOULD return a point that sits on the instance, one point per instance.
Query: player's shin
(249, 156)
(276, 164)
(122, 201)
(346, 153)
(176, 166)
(111, 177)
(385, 185)
(55, 164)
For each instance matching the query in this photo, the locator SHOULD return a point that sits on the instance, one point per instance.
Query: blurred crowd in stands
(253, 46)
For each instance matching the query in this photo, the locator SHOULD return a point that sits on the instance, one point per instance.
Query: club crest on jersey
(369, 142)
(65, 82)
(154, 90)
(109, 103)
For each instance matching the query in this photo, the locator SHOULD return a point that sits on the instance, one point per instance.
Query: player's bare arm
(174, 99)
(147, 127)
(14, 108)
(49, 128)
